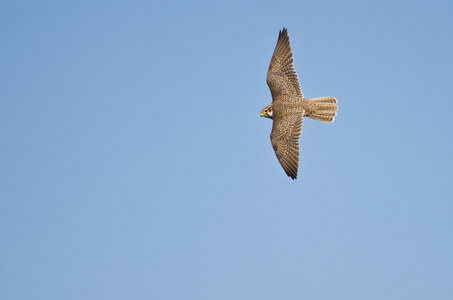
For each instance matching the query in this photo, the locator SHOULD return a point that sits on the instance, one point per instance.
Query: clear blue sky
(134, 163)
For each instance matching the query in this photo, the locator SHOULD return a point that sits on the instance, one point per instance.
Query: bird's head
(267, 112)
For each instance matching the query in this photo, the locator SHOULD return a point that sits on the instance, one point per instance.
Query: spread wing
(281, 76)
(285, 135)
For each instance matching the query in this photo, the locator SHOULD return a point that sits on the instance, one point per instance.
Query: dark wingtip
(284, 31)
(292, 175)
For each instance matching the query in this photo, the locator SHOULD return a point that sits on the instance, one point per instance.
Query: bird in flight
(289, 107)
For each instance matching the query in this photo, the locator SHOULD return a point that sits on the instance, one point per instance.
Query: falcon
(289, 107)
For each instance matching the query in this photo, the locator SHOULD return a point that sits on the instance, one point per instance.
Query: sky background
(134, 163)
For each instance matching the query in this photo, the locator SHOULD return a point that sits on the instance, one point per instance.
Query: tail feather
(324, 109)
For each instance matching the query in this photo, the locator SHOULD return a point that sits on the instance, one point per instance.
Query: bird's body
(289, 106)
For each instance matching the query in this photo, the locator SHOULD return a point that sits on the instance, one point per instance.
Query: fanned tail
(324, 109)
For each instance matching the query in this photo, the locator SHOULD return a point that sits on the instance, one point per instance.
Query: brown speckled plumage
(289, 106)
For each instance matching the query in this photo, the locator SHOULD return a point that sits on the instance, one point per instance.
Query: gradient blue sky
(135, 165)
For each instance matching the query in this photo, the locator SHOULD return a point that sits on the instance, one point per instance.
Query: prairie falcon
(289, 107)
